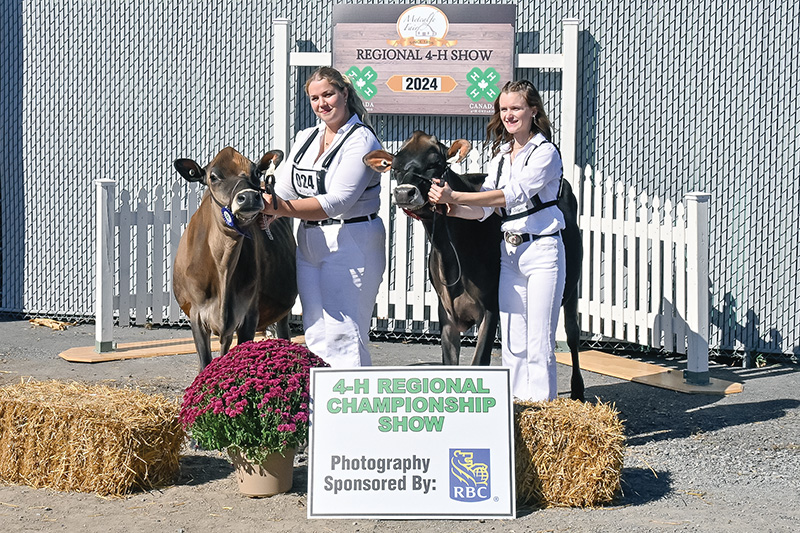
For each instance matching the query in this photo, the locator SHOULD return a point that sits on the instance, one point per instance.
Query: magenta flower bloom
(255, 398)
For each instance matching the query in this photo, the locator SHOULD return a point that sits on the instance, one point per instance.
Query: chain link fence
(674, 97)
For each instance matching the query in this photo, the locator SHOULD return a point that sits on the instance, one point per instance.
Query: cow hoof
(577, 396)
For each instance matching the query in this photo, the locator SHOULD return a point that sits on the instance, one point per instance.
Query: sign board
(411, 442)
(425, 59)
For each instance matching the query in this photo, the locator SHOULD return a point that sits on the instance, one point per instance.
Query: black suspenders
(319, 179)
(305, 146)
(538, 205)
(328, 159)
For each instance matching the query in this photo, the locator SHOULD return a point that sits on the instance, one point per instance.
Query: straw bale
(87, 438)
(568, 453)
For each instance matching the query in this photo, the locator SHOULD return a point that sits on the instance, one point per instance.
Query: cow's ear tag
(227, 216)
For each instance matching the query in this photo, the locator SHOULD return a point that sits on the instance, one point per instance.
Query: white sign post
(411, 442)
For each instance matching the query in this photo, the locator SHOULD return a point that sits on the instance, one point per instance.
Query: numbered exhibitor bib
(310, 182)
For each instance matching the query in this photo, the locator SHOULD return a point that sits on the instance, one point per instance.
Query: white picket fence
(644, 279)
(135, 247)
(645, 268)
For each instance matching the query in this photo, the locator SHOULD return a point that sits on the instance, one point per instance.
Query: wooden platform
(136, 350)
(646, 373)
(593, 361)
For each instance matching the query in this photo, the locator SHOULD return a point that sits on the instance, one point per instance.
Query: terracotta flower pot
(273, 476)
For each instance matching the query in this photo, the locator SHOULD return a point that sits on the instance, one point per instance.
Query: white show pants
(339, 271)
(531, 286)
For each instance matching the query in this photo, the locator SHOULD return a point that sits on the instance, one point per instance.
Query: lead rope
(269, 188)
(452, 246)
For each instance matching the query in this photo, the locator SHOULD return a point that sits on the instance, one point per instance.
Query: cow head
(233, 181)
(420, 160)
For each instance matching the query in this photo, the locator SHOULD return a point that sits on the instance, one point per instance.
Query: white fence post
(104, 266)
(697, 246)
(569, 96)
(280, 85)
(567, 61)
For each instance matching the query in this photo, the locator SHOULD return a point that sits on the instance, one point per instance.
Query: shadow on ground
(651, 414)
(200, 469)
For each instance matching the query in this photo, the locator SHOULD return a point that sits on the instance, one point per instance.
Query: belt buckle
(514, 239)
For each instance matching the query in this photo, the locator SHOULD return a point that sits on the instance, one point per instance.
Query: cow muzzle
(408, 197)
(247, 204)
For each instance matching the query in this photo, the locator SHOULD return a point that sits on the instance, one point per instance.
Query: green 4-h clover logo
(363, 81)
(483, 84)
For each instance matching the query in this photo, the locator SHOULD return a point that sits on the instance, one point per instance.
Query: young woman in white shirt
(522, 185)
(340, 239)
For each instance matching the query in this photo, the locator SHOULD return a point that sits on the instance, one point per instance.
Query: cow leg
(486, 335)
(451, 339)
(225, 342)
(282, 328)
(202, 342)
(573, 331)
(247, 331)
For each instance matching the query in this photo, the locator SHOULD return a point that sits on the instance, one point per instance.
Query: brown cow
(229, 274)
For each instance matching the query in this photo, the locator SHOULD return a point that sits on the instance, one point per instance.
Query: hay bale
(568, 453)
(87, 438)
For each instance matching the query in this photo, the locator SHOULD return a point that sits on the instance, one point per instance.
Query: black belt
(329, 221)
(515, 239)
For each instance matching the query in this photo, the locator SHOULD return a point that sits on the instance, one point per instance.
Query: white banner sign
(411, 442)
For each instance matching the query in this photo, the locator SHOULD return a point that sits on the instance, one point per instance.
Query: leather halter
(227, 213)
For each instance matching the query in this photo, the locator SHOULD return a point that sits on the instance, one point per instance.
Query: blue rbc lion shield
(470, 475)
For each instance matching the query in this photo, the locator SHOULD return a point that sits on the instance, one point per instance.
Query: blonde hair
(343, 83)
(496, 132)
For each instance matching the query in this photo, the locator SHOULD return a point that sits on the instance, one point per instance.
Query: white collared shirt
(352, 189)
(536, 169)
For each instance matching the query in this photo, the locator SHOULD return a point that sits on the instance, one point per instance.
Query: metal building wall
(113, 89)
(675, 96)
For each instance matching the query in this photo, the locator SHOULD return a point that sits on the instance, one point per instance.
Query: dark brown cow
(464, 262)
(230, 276)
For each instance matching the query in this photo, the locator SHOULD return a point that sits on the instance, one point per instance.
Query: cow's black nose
(248, 199)
(405, 194)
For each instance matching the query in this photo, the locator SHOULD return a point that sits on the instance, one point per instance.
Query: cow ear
(190, 170)
(379, 160)
(460, 147)
(271, 157)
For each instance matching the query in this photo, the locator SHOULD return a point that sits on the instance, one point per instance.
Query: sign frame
(427, 442)
(426, 59)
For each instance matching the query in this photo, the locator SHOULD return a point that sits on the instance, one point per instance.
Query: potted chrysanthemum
(253, 403)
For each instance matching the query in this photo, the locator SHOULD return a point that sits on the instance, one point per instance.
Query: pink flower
(271, 377)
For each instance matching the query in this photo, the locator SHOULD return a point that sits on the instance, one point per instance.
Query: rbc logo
(469, 475)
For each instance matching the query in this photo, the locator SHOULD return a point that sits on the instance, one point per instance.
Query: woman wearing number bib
(523, 186)
(340, 239)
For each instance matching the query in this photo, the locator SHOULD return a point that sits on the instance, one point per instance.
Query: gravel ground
(693, 463)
